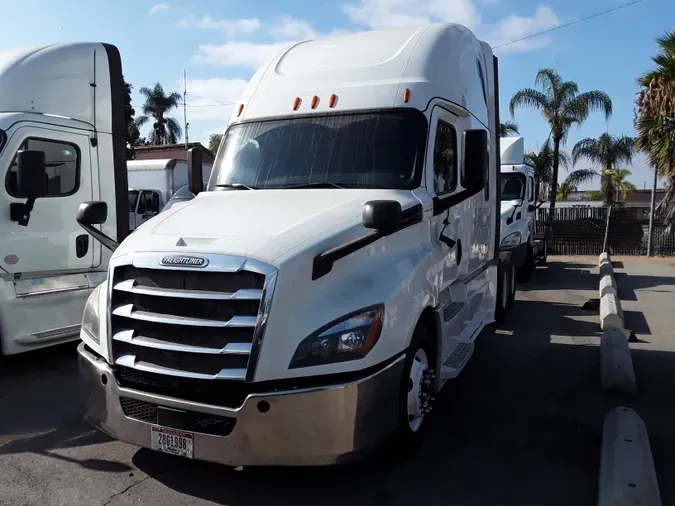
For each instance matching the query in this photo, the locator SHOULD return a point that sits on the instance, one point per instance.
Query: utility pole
(185, 123)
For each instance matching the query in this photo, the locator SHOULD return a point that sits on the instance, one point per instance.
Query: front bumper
(518, 254)
(312, 426)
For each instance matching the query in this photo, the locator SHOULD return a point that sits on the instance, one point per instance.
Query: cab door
(52, 241)
(148, 206)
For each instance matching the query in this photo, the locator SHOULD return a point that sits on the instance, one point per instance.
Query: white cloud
(514, 27)
(158, 8)
(290, 27)
(377, 14)
(229, 27)
(212, 98)
(234, 53)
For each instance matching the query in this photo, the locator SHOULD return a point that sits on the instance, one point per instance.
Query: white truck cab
(521, 196)
(333, 276)
(60, 114)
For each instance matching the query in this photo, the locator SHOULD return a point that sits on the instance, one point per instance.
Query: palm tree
(565, 189)
(607, 151)
(562, 106)
(655, 118)
(507, 128)
(623, 187)
(157, 103)
(542, 162)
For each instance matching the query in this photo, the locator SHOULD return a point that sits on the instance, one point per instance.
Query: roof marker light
(315, 101)
(332, 100)
(241, 108)
(296, 103)
(406, 95)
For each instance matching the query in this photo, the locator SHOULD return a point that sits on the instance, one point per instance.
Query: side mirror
(31, 183)
(195, 183)
(382, 215)
(475, 159)
(31, 174)
(95, 213)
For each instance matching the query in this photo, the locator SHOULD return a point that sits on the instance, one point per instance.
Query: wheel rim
(418, 397)
(505, 289)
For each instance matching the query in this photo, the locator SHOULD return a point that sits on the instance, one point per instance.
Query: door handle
(81, 245)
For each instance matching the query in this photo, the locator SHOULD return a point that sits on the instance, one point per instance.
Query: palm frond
(581, 176)
(174, 130)
(528, 97)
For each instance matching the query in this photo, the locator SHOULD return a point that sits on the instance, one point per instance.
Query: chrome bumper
(314, 426)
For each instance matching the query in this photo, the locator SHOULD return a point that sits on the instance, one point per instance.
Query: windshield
(513, 186)
(133, 195)
(365, 150)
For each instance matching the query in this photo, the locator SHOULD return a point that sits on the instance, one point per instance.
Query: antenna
(185, 123)
(94, 139)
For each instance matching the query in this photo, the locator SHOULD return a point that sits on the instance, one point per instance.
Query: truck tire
(525, 271)
(416, 393)
(504, 276)
(512, 287)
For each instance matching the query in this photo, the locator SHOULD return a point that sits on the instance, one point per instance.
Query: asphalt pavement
(522, 425)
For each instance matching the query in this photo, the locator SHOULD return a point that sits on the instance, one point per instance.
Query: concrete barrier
(616, 365)
(627, 474)
(606, 269)
(607, 285)
(604, 257)
(611, 314)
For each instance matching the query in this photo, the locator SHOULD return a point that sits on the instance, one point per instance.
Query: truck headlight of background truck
(348, 338)
(91, 316)
(511, 240)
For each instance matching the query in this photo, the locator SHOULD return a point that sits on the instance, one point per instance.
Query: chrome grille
(202, 324)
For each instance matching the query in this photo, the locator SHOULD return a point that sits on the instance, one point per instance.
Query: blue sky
(221, 43)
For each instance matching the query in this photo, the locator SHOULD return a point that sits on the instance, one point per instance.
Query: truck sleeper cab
(48, 264)
(333, 276)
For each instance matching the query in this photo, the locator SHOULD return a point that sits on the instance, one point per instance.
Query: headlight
(90, 316)
(510, 240)
(349, 338)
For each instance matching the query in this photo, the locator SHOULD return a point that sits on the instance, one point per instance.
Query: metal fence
(581, 231)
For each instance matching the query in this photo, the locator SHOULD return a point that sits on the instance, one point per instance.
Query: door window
(149, 203)
(445, 158)
(62, 163)
(530, 189)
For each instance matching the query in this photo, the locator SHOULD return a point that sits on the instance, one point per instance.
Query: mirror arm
(100, 237)
(21, 212)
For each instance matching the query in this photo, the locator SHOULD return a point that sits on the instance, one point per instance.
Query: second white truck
(521, 196)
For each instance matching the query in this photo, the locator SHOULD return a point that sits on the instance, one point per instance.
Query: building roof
(167, 151)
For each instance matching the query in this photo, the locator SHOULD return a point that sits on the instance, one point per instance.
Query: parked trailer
(334, 275)
(61, 140)
(152, 183)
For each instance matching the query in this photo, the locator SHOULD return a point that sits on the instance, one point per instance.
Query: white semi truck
(333, 276)
(62, 139)
(152, 183)
(521, 196)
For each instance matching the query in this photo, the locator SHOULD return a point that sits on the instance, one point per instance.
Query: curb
(611, 314)
(604, 257)
(627, 474)
(616, 365)
(607, 285)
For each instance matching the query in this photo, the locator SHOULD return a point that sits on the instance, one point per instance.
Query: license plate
(173, 441)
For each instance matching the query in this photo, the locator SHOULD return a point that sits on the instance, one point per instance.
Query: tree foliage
(507, 128)
(214, 142)
(158, 103)
(562, 106)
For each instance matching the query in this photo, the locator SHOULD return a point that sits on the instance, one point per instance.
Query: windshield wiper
(317, 184)
(236, 186)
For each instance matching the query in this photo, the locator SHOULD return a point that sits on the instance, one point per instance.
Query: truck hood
(258, 224)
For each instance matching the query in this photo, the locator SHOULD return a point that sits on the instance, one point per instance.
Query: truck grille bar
(205, 324)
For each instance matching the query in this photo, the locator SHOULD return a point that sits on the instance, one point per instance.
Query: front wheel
(417, 391)
(525, 271)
